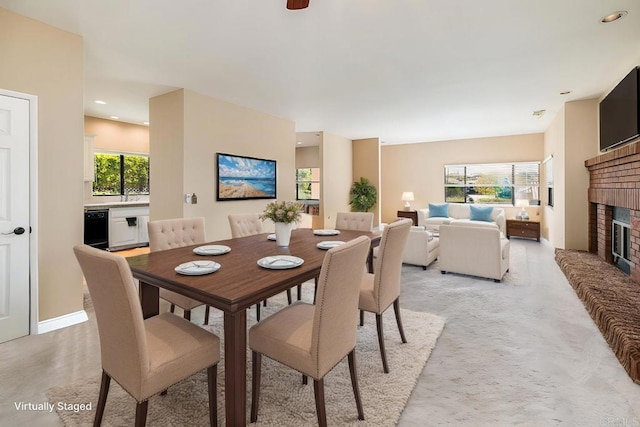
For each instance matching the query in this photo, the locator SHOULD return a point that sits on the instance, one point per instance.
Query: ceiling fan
(297, 4)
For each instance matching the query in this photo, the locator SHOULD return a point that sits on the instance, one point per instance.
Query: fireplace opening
(621, 239)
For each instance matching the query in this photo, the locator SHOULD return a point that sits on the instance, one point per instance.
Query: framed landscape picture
(241, 177)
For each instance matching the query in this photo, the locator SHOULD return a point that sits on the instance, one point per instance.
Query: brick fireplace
(614, 181)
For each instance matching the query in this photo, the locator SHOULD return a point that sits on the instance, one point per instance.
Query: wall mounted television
(242, 178)
(620, 112)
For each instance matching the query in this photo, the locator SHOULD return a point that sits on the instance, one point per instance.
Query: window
(500, 183)
(120, 174)
(308, 184)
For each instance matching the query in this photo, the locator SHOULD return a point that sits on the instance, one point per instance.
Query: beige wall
(166, 151)
(187, 130)
(572, 138)
(420, 167)
(41, 60)
(308, 157)
(111, 135)
(366, 163)
(581, 143)
(552, 227)
(335, 154)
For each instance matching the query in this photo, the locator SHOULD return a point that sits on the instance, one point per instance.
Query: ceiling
(400, 70)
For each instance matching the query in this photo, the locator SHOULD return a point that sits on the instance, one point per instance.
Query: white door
(14, 218)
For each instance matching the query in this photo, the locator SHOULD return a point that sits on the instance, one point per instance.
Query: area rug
(284, 400)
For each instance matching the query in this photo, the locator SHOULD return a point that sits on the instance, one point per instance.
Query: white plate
(271, 237)
(328, 244)
(212, 250)
(197, 268)
(280, 262)
(326, 232)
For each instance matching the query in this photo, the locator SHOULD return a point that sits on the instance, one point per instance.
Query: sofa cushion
(473, 223)
(459, 210)
(481, 213)
(439, 210)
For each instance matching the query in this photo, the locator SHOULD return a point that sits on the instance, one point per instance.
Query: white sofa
(461, 213)
(422, 248)
(477, 251)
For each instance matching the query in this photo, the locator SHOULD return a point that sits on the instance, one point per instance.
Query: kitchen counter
(111, 205)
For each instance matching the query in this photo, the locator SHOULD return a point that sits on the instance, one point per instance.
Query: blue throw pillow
(439, 210)
(481, 213)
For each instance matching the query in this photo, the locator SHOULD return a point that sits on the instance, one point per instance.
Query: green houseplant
(362, 196)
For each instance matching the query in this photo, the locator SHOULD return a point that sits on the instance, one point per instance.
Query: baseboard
(62, 321)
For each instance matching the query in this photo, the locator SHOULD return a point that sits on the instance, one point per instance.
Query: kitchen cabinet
(128, 227)
(89, 168)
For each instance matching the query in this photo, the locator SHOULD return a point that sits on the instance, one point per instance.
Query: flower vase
(283, 233)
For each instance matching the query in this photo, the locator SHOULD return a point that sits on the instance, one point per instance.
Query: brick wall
(614, 180)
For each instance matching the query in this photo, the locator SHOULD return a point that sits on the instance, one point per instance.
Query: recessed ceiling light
(115, 117)
(97, 101)
(614, 16)
(566, 92)
(299, 143)
(539, 113)
(146, 123)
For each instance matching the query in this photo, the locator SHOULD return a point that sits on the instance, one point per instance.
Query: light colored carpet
(284, 400)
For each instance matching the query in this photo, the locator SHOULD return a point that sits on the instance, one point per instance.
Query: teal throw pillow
(439, 210)
(481, 213)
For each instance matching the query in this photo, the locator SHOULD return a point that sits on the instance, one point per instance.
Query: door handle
(17, 230)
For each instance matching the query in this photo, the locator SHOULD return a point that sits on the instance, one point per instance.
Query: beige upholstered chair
(175, 233)
(477, 251)
(382, 289)
(312, 339)
(144, 356)
(362, 221)
(248, 224)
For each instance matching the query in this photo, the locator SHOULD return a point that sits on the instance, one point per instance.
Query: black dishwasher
(96, 228)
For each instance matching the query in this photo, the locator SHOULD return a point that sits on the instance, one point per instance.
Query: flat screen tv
(242, 178)
(619, 112)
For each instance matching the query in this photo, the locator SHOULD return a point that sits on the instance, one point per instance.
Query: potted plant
(283, 214)
(362, 196)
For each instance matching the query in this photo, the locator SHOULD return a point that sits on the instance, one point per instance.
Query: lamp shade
(407, 196)
(522, 203)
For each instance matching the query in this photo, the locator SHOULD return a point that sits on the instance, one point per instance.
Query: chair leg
(102, 399)
(187, 315)
(354, 383)
(318, 389)
(172, 308)
(141, 413)
(361, 317)
(289, 299)
(264, 303)
(299, 292)
(256, 362)
(315, 289)
(206, 315)
(305, 380)
(212, 375)
(383, 353)
(258, 312)
(396, 309)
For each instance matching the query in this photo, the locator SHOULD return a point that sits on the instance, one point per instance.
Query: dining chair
(381, 289)
(174, 233)
(313, 339)
(248, 224)
(144, 356)
(362, 221)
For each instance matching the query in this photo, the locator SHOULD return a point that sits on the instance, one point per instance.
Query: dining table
(238, 284)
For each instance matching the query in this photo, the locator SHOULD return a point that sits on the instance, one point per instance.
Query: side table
(523, 228)
(413, 215)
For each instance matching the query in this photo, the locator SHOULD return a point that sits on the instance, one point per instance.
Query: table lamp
(407, 197)
(522, 203)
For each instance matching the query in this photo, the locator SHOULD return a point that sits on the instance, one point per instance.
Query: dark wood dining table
(236, 286)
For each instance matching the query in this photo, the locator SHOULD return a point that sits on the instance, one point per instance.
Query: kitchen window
(308, 184)
(119, 174)
(495, 183)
